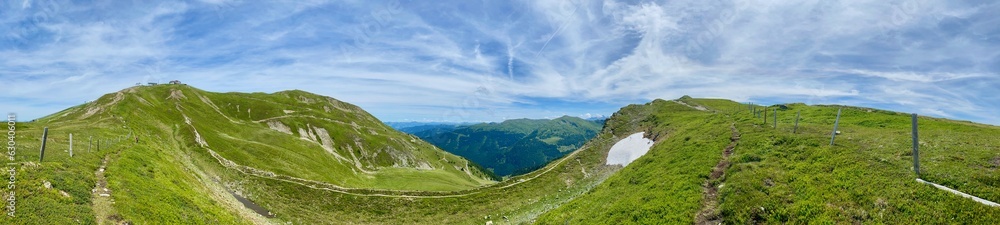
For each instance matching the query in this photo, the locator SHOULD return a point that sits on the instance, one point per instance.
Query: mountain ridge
(288, 135)
(775, 176)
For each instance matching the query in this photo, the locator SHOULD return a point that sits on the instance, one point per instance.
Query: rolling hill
(171, 142)
(711, 161)
(512, 147)
(723, 164)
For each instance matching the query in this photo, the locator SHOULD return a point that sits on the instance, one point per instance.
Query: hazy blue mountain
(435, 128)
(420, 126)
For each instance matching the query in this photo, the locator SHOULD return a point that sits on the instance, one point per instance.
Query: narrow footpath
(101, 197)
(709, 213)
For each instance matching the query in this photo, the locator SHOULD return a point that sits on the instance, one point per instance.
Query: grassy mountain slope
(775, 176)
(514, 146)
(519, 199)
(188, 139)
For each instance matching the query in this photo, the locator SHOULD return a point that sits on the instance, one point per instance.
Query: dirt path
(699, 108)
(101, 197)
(301, 116)
(709, 213)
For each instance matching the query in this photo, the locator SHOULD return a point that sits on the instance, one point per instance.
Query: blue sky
(494, 60)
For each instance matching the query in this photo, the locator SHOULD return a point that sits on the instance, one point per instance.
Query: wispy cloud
(476, 61)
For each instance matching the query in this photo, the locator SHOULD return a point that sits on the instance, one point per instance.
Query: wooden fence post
(41, 153)
(765, 115)
(916, 147)
(90, 144)
(70, 144)
(833, 135)
(797, 114)
(775, 118)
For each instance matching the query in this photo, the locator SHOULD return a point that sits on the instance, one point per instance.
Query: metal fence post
(916, 147)
(775, 118)
(833, 135)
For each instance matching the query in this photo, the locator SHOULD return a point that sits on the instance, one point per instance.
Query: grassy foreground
(780, 177)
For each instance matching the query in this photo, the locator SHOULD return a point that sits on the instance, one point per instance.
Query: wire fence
(760, 112)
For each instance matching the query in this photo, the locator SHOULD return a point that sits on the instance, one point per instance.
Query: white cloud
(491, 60)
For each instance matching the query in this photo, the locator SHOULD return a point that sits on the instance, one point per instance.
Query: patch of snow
(629, 149)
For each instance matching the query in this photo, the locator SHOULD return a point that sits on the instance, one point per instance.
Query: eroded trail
(101, 197)
(709, 213)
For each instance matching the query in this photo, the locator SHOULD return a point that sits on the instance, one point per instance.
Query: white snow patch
(629, 149)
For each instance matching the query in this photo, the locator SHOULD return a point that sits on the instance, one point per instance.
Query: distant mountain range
(402, 125)
(512, 147)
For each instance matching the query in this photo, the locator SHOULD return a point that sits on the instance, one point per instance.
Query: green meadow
(196, 147)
